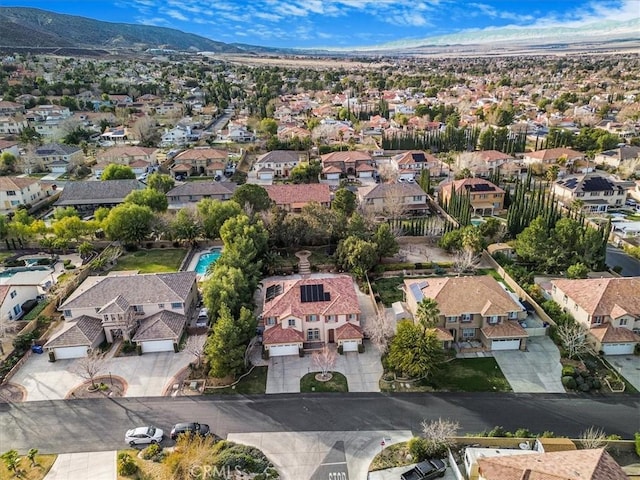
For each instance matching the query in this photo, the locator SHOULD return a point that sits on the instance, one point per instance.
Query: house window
(330, 318)
(352, 316)
(417, 198)
(16, 309)
(623, 322)
(597, 320)
(312, 318)
(138, 309)
(554, 289)
(594, 194)
(466, 317)
(161, 305)
(565, 298)
(493, 320)
(292, 322)
(575, 306)
(580, 194)
(67, 313)
(176, 305)
(313, 334)
(468, 332)
(11, 193)
(13, 294)
(513, 315)
(271, 320)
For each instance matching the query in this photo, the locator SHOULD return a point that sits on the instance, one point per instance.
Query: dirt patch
(110, 386)
(11, 393)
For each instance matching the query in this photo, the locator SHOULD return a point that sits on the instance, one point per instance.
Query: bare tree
(573, 338)
(89, 367)
(465, 260)
(324, 360)
(593, 437)
(440, 432)
(394, 206)
(144, 129)
(380, 329)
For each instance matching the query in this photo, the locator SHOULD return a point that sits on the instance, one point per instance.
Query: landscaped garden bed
(311, 383)
(37, 471)
(255, 383)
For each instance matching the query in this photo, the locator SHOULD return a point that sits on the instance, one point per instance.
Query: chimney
(526, 474)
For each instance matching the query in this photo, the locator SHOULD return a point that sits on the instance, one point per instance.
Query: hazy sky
(340, 23)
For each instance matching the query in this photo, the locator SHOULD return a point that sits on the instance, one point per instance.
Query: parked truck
(427, 470)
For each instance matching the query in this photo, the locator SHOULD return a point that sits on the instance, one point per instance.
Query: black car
(191, 428)
(427, 470)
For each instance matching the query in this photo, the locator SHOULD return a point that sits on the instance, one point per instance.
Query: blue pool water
(206, 259)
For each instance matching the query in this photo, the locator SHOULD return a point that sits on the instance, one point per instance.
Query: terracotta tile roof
(554, 153)
(442, 335)
(458, 295)
(610, 334)
(344, 299)
(472, 185)
(16, 183)
(347, 157)
(201, 154)
(215, 166)
(364, 167)
(408, 158)
(5, 144)
(303, 193)
(331, 169)
(164, 325)
(280, 156)
(490, 155)
(348, 331)
(4, 289)
(603, 296)
(125, 151)
(508, 329)
(592, 464)
(277, 334)
(83, 331)
(387, 190)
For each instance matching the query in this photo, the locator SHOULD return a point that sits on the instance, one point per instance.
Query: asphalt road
(630, 266)
(96, 425)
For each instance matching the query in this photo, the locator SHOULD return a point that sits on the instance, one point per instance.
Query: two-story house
(150, 310)
(200, 160)
(12, 125)
(347, 162)
(410, 164)
(310, 313)
(189, 193)
(11, 146)
(550, 156)
(393, 200)
(278, 163)
(10, 108)
(16, 191)
(472, 308)
(293, 197)
(597, 191)
(17, 285)
(626, 156)
(485, 197)
(87, 196)
(609, 308)
(59, 158)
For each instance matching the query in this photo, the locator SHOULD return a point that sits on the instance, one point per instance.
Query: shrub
(70, 267)
(126, 465)
(66, 262)
(584, 387)
(569, 382)
(497, 432)
(637, 441)
(591, 365)
(522, 433)
(361, 348)
(568, 371)
(265, 354)
(152, 452)
(597, 384)
(249, 459)
(579, 379)
(547, 434)
(340, 349)
(417, 447)
(585, 373)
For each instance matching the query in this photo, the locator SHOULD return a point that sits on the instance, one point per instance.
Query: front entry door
(332, 336)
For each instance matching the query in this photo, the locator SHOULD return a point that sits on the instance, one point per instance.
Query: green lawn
(388, 289)
(254, 383)
(338, 383)
(4, 255)
(157, 260)
(471, 375)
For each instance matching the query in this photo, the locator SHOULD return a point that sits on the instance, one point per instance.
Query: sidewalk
(93, 465)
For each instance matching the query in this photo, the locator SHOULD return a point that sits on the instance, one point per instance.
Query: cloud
(175, 14)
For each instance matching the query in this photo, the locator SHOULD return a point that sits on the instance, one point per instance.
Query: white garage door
(618, 348)
(157, 346)
(282, 350)
(505, 344)
(350, 346)
(64, 353)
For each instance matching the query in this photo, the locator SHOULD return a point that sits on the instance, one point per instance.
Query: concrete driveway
(628, 366)
(146, 375)
(362, 370)
(94, 465)
(538, 370)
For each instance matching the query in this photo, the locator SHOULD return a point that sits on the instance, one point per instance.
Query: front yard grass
(38, 472)
(388, 289)
(156, 260)
(471, 375)
(338, 383)
(5, 254)
(253, 384)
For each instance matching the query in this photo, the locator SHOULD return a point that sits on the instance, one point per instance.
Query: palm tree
(428, 313)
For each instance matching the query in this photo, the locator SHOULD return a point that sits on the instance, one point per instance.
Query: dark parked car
(427, 470)
(192, 428)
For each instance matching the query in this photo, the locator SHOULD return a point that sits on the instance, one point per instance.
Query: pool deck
(196, 258)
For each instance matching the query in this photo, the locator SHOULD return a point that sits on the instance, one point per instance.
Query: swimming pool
(205, 259)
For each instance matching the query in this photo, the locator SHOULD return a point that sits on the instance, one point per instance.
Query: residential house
(310, 312)
(624, 157)
(410, 164)
(609, 308)
(200, 160)
(278, 163)
(192, 192)
(347, 161)
(474, 308)
(12, 125)
(588, 464)
(293, 197)
(119, 134)
(289, 133)
(19, 284)
(485, 197)
(552, 156)
(11, 146)
(140, 159)
(10, 108)
(238, 134)
(58, 157)
(394, 199)
(179, 135)
(494, 159)
(596, 191)
(87, 196)
(169, 108)
(16, 191)
(150, 310)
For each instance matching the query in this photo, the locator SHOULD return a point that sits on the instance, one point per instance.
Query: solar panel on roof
(418, 157)
(273, 291)
(313, 293)
(417, 291)
(596, 184)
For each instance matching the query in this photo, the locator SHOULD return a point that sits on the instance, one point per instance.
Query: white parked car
(143, 435)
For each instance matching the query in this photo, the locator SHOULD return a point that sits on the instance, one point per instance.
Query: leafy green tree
(344, 201)
(160, 182)
(451, 241)
(356, 255)
(184, 226)
(11, 460)
(306, 172)
(255, 196)
(31, 455)
(268, 126)
(149, 197)
(428, 313)
(29, 135)
(358, 227)
(61, 212)
(213, 214)
(386, 243)
(577, 270)
(225, 285)
(240, 228)
(129, 223)
(116, 171)
(4, 226)
(532, 244)
(8, 163)
(85, 249)
(224, 349)
(101, 214)
(414, 352)
(70, 228)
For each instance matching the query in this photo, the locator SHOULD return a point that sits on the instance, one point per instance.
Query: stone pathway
(304, 267)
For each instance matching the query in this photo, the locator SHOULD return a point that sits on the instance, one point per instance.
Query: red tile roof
(348, 331)
(610, 334)
(469, 183)
(348, 157)
(201, 154)
(508, 329)
(603, 296)
(304, 193)
(277, 334)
